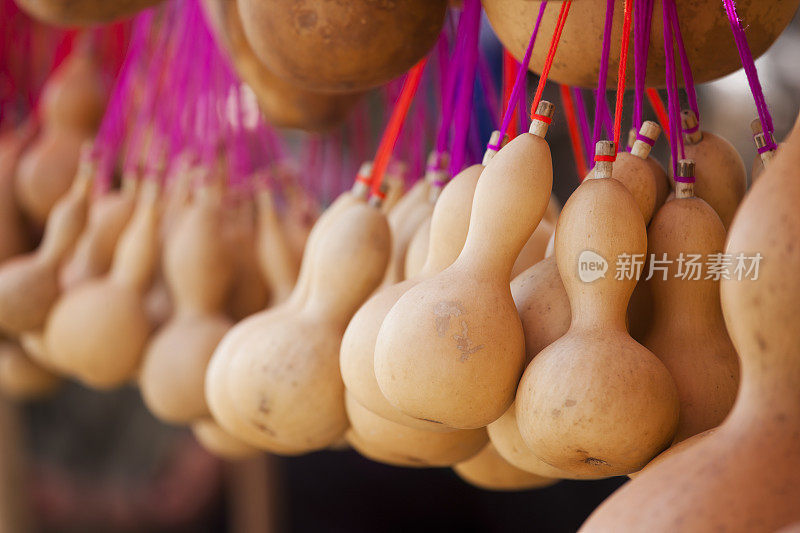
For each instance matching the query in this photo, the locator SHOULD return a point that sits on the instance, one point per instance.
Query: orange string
(623, 65)
(398, 118)
(509, 78)
(658, 107)
(562, 19)
(574, 130)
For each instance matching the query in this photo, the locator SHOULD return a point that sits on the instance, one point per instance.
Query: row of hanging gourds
(309, 63)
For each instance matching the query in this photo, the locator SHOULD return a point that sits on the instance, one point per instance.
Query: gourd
(720, 171)
(488, 470)
(415, 447)
(73, 101)
(82, 12)
(217, 395)
(278, 263)
(29, 283)
(417, 251)
(330, 46)
(97, 331)
(20, 378)
(449, 224)
(290, 388)
(451, 349)
(688, 332)
(742, 476)
(704, 26)
(596, 376)
(218, 442)
(198, 268)
(13, 234)
(94, 251)
(662, 180)
(249, 293)
(283, 105)
(534, 249)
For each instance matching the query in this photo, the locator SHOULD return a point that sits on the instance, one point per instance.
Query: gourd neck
(68, 218)
(137, 252)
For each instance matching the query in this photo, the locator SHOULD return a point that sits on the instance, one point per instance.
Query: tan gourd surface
(198, 269)
(688, 332)
(29, 283)
(596, 376)
(743, 476)
(249, 293)
(553, 210)
(217, 396)
(449, 225)
(704, 26)
(404, 220)
(396, 190)
(46, 171)
(418, 250)
(488, 470)
(534, 249)
(451, 350)
(278, 263)
(425, 448)
(75, 95)
(218, 442)
(284, 105)
(94, 251)
(97, 332)
(21, 378)
(290, 388)
(324, 45)
(82, 12)
(720, 171)
(13, 235)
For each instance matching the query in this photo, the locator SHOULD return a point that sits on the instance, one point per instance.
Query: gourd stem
(684, 181)
(495, 143)
(645, 139)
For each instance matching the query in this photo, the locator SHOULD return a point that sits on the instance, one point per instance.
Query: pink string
(746, 57)
(463, 105)
(686, 67)
(583, 121)
(643, 17)
(673, 106)
(601, 105)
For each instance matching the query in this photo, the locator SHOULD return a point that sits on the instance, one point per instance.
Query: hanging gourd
(198, 268)
(217, 442)
(488, 470)
(451, 350)
(217, 388)
(742, 476)
(277, 261)
(688, 332)
(97, 332)
(449, 225)
(249, 293)
(721, 174)
(82, 12)
(417, 250)
(596, 376)
(22, 379)
(330, 46)
(13, 234)
(710, 48)
(534, 249)
(72, 105)
(94, 251)
(29, 283)
(283, 104)
(378, 436)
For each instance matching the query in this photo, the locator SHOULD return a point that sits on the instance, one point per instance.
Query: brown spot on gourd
(570, 403)
(594, 461)
(555, 413)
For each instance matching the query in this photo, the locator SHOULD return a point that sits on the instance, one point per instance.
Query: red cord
(509, 78)
(623, 65)
(658, 107)
(392, 132)
(562, 19)
(574, 130)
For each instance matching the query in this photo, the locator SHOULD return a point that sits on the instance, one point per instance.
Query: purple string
(449, 88)
(472, 11)
(583, 121)
(522, 73)
(602, 77)
(489, 89)
(672, 93)
(643, 16)
(686, 67)
(746, 57)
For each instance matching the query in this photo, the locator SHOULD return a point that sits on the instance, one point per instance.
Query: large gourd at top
(742, 477)
(452, 349)
(82, 12)
(334, 46)
(704, 26)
